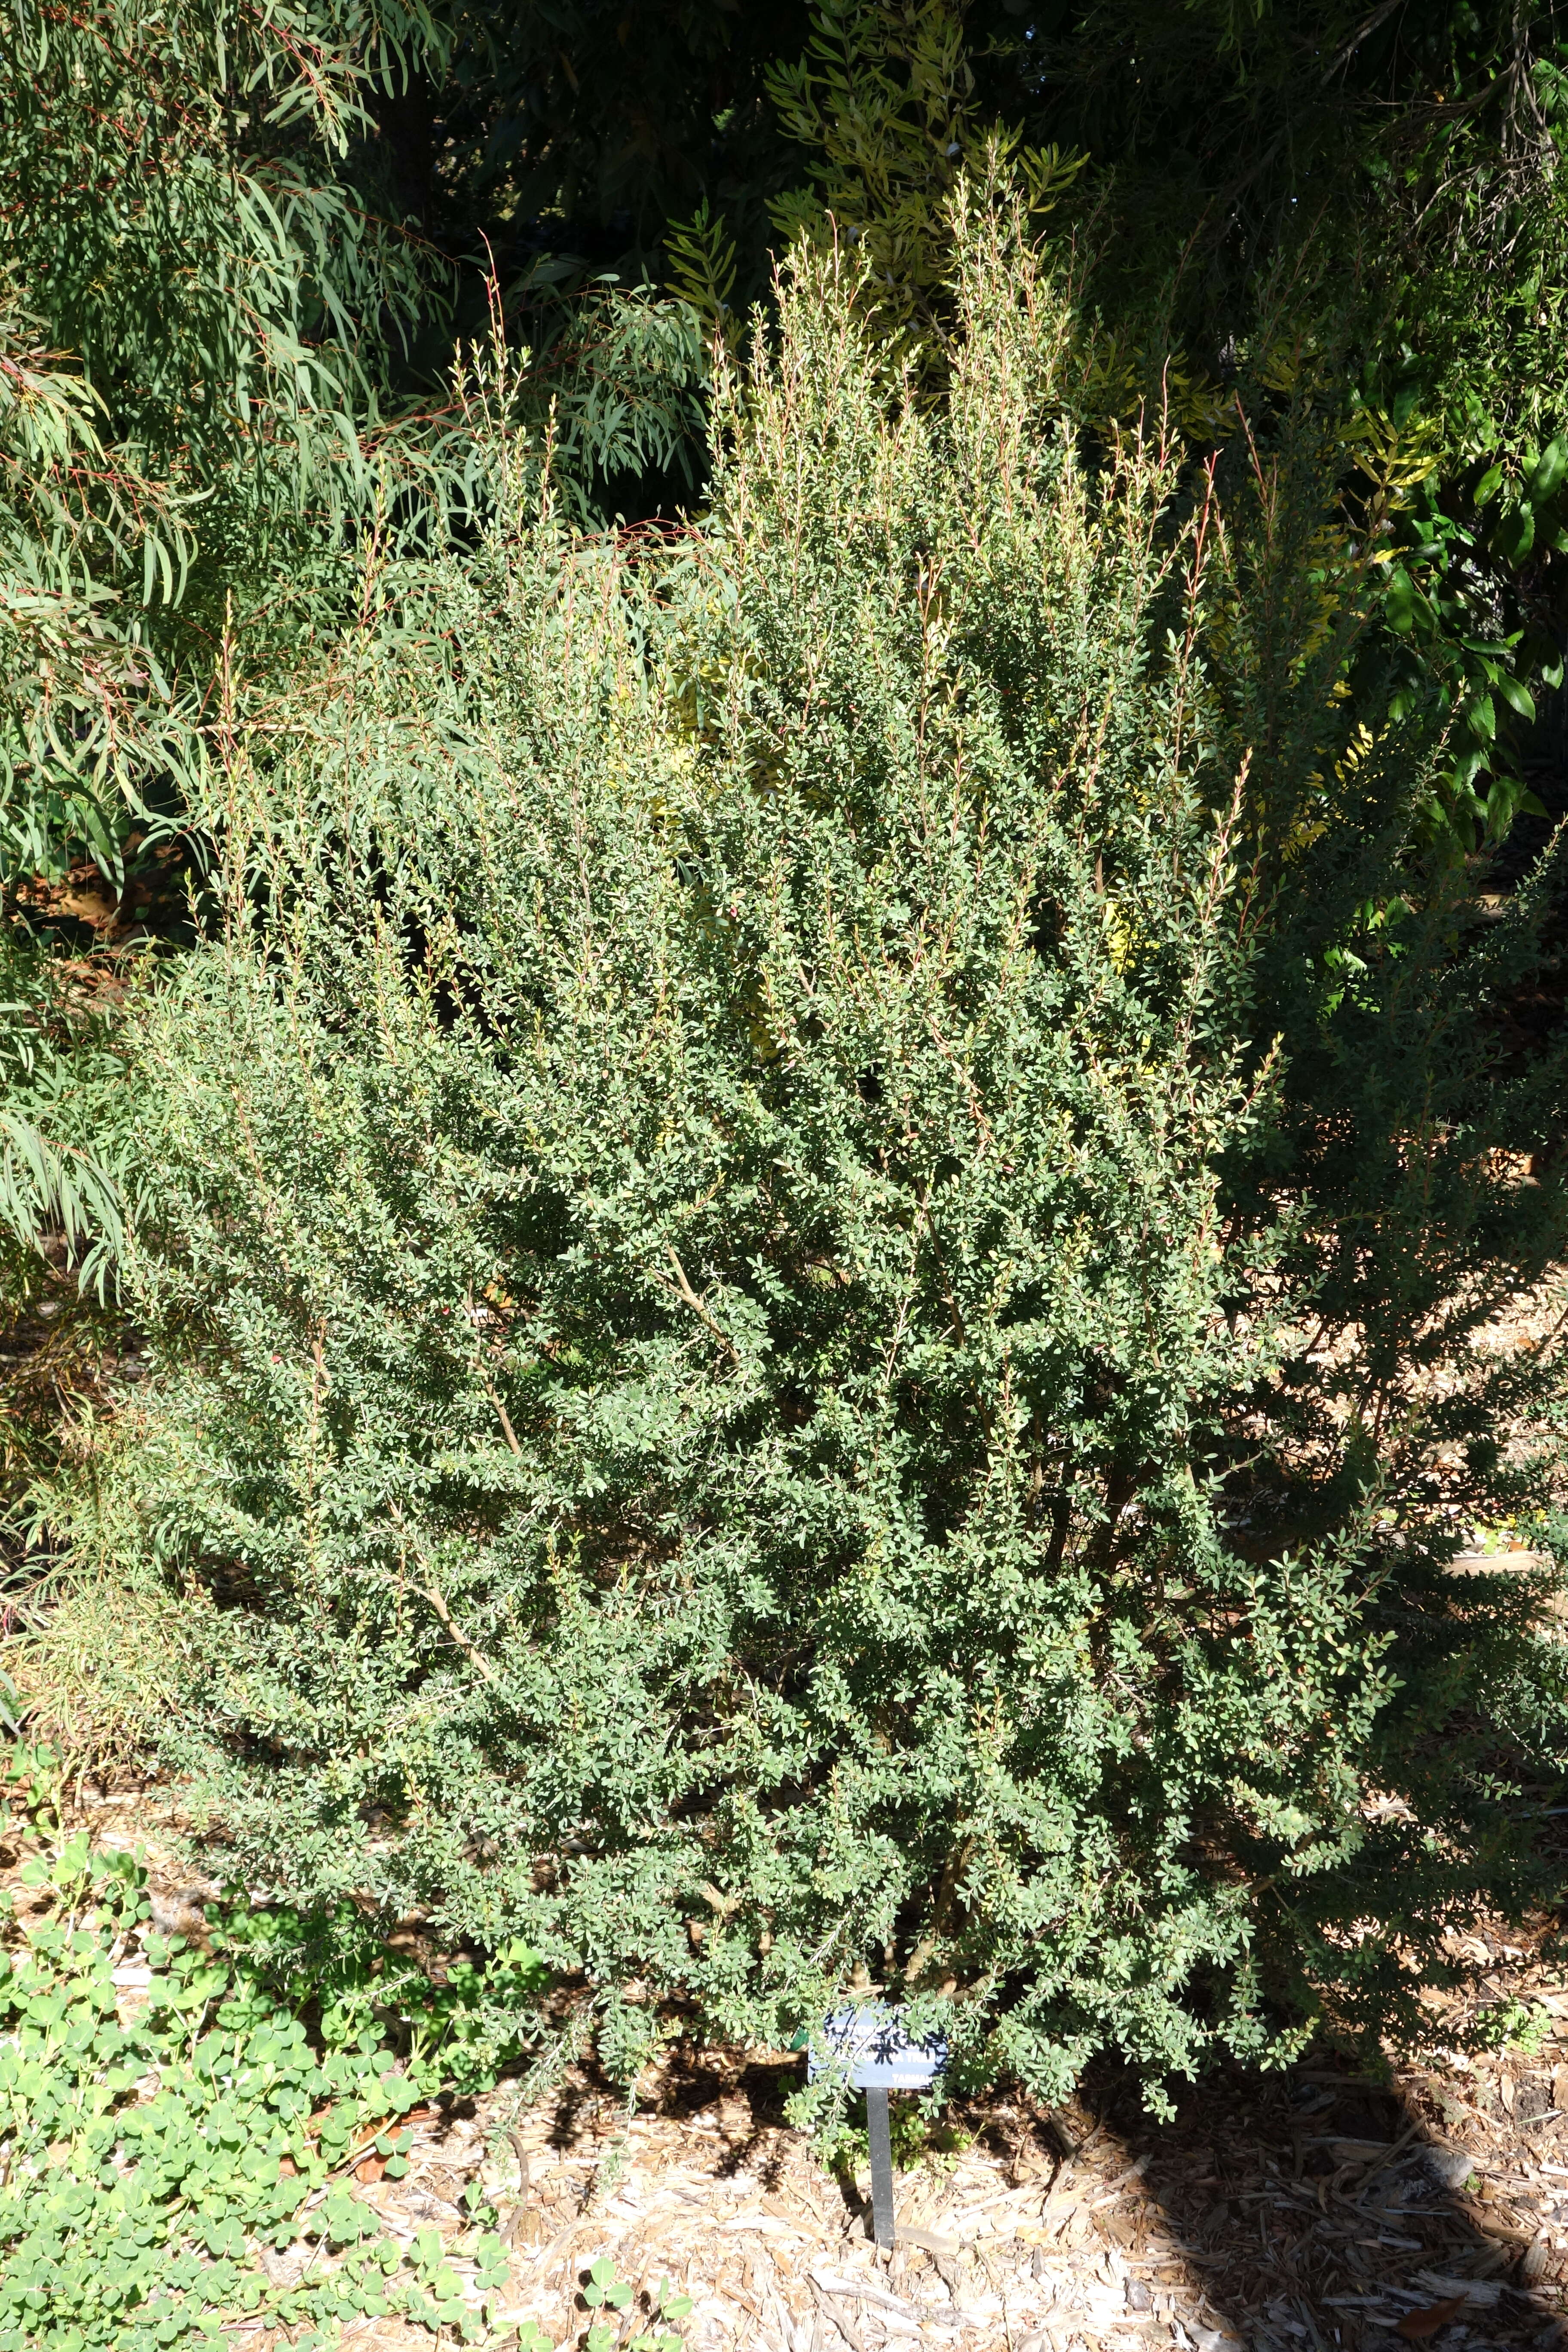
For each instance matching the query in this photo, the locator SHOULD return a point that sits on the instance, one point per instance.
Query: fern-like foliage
(884, 102)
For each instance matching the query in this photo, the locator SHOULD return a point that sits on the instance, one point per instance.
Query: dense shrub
(815, 1241)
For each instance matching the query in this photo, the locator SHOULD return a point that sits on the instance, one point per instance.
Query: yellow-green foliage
(156, 2159)
(883, 101)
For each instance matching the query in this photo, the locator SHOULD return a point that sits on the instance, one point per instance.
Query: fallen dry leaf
(370, 2170)
(1417, 2325)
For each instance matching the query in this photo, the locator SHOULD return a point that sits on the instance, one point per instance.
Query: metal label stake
(881, 2058)
(879, 2133)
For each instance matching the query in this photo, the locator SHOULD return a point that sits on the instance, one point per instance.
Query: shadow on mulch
(1313, 2206)
(1321, 2211)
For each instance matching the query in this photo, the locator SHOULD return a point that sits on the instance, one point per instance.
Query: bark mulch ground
(1315, 2210)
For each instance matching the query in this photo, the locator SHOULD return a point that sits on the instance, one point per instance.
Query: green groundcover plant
(194, 2166)
(823, 1244)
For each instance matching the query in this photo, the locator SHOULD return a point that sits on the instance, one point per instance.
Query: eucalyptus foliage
(199, 304)
(207, 298)
(820, 1219)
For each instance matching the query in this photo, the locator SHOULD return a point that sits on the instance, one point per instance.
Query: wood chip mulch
(1314, 2209)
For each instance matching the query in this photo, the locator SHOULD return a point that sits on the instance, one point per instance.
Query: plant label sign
(878, 2050)
(880, 2055)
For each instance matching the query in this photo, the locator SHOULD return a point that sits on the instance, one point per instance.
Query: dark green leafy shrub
(815, 1245)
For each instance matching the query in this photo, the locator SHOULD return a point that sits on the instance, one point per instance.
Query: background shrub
(812, 1242)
